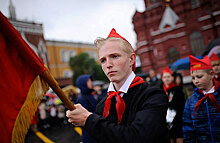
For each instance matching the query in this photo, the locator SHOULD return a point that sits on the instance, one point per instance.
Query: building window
(173, 55)
(197, 44)
(42, 51)
(138, 61)
(67, 74)
(92, 54)
(153, 1)
(64, 56)
(72, 53)
(195, 3)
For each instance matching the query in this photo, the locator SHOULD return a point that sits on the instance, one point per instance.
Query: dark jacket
(177, 103)
(205, 127)
(87, 100)
(155, 82)
(144, 119)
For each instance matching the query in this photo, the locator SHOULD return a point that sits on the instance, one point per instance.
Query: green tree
(83, 64)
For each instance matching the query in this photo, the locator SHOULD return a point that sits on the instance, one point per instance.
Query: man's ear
(132, 59)
(212, 74)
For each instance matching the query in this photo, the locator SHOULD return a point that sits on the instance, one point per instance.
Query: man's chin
(113, 80)
(200, 88)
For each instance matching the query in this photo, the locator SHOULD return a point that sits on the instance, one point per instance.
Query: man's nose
(196, 80)
(108, 63)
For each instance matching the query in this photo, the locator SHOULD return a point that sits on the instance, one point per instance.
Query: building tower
(12, 14)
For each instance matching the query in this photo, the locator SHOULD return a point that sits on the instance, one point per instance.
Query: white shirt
(125, 86)
(212, 90)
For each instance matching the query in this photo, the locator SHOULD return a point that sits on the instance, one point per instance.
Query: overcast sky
(78, 20)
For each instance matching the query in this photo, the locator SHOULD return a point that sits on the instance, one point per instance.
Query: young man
(201, 117)
(176, 105)
(133, 111)
(153, 78)
(215, 60)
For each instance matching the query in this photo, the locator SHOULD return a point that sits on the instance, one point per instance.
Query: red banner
(21, 88)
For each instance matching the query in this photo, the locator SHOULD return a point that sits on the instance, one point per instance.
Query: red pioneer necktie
(218, 77)
(120, 105)
(210, 96)
(169, 87)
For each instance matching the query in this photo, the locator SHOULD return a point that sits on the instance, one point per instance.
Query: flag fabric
(21, 87)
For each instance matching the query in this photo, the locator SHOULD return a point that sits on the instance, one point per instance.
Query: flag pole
(54, 85)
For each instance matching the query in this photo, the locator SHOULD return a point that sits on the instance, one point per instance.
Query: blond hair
(99, 42)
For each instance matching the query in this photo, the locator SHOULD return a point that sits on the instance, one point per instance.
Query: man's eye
(115, 56)
(102, 61)
(199, 76)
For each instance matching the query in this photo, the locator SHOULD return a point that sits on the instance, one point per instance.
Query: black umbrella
(211, 45)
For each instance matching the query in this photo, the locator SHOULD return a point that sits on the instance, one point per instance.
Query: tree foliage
(83, 64)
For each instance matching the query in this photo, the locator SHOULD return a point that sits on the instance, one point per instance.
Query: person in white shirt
(132, 111)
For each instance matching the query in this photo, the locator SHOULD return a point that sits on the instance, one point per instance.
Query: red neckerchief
(210, 96)
(120, 105)
(169, 87)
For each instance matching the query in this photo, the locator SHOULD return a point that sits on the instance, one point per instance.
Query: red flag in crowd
(21, 87)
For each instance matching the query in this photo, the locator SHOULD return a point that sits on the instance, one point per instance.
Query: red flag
(21, 88)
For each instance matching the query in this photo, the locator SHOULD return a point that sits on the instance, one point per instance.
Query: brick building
(170, 30)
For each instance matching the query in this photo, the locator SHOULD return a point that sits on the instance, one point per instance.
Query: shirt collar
(212, 90)
(125, 86)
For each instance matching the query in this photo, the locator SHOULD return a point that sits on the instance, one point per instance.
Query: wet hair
(99, 42)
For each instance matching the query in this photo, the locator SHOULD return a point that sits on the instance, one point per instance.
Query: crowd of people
(49, 115)
(150, 110)
(154, 110)
(52, 114)
(192, 118)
